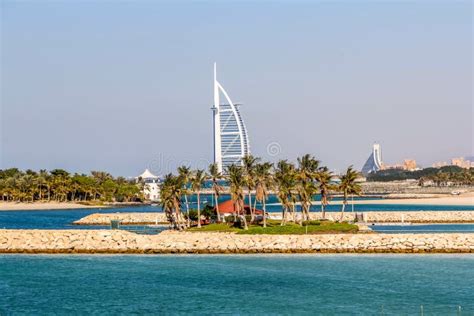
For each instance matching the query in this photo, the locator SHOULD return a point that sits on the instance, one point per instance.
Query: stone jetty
(124, 218)
(118, 241)
(370, 217)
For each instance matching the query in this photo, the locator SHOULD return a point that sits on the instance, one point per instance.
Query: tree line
(61, 186)
(293, 184)
(447, 175)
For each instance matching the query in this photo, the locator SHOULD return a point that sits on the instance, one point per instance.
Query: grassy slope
(274, 228)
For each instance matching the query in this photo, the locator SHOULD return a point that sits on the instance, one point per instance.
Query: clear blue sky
(91, 85)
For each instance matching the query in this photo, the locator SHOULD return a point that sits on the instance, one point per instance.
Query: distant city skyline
(121, 87)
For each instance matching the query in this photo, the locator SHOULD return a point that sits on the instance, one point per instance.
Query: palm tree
(307, 167)
(249, 163)
(284, 179)
(185, 173)
(263, 177)
(215, 176)
(42, 182)
(237, 181)
(324, 177)
(197, 181)
(349, 185)
(171, 190)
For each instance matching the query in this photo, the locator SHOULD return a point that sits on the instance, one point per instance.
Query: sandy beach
(460, 200)
(14, 206)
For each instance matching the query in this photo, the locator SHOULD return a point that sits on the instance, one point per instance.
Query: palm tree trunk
(303, 212)
(264, 213)
(342, 209)
(188, 222)
(250, 205)
(217, 208)
(241, 210)
(309, 211)
(293, 211)
(283, 215)
(199, 208)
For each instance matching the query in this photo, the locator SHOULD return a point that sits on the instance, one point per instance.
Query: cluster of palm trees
(59, 185)
(174, 189)
(293, 184)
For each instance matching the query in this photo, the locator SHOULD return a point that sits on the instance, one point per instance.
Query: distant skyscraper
(374, 162)
(231, 141)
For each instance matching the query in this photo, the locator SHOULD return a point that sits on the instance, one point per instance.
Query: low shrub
(193, 215)
(312, 222)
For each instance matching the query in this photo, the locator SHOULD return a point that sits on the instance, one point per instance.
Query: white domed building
(151, 188)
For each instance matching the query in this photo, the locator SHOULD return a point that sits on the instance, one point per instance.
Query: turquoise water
(59, 219)
(424, 228)
(265, 284)
(62, 219)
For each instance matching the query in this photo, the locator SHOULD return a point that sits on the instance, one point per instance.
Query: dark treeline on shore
(294, 184)
(444, 176)
(60, 185)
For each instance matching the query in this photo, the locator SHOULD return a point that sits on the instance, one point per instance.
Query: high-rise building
(409, 164)
(461, 162)
(374, 162)
(231, 141)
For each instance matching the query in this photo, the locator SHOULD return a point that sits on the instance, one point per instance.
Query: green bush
(193, 215)
(209, 212)
(307, 223)
(229, 219)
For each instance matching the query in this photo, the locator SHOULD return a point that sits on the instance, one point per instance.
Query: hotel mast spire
(231, 141)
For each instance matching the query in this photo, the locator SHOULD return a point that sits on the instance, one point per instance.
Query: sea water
(63, 219)
(237, 284)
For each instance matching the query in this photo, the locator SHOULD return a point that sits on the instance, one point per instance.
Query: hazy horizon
(121, 87)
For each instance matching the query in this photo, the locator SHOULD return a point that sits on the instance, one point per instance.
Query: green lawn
(222, 227)
(274, 228)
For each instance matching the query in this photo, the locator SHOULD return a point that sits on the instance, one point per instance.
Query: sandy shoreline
(37, 206)
(461, 200)
(430, 201)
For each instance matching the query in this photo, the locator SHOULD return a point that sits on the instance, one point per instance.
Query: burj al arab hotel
(231, 141)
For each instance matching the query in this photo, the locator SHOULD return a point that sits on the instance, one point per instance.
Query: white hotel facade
(231, 141)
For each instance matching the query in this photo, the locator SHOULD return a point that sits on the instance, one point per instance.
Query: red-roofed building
(227, 208)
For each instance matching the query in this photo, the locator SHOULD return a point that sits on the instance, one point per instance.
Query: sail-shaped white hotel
(231, 141)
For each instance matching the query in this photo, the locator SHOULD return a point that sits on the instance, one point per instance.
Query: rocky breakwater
(371, 217)
(117, 241)
(420, 217)
(124, 218)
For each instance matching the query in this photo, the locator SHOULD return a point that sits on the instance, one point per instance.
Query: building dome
(147, 175)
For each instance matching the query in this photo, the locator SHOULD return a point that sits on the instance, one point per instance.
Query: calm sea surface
(62, 219)
(250, 284)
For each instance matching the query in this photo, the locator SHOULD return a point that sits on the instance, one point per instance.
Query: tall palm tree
(349, 185)
(42, 181)
(307, 167)
(285, 180)
(324, 178)
(185, 174)
(170, 199)
(263, 177)
(249, 162)
(215, 176)
(197, 181)
(235, 176)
